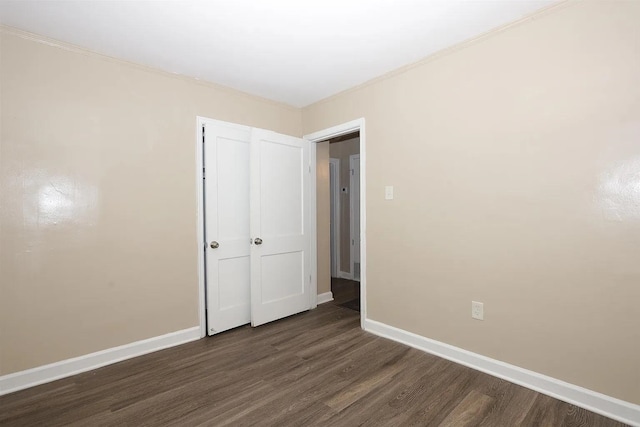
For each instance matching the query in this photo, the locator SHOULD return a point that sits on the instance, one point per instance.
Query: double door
(256, 189)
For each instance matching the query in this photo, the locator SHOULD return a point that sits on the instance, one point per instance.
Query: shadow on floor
(346, 293)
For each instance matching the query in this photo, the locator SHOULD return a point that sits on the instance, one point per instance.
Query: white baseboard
(608, 406)
(345, 275)
(325, 297)
(66, 368)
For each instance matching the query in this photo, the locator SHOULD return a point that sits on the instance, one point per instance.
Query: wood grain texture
(313, 369)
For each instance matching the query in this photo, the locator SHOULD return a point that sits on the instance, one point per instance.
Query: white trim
(66, 368)
(313, 227)
(200, 121)
(335, 215)
(335, 131)
(608, 406)
(323, 135)
(325, 297)
(345, 275)
(352, 219)
(363, 226)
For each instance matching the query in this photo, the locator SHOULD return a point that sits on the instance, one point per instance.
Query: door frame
(202, 315)
(334, 194)
(323, 135)
(352, 206)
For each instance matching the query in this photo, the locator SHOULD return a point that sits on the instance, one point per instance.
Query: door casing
(354, 231)
(334, 194)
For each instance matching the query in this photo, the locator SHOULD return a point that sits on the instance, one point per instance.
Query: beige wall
(516, 165)
(323, 217)
(342, 150)
(98, 211)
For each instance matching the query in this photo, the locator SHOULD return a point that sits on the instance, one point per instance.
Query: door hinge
(203, 173)
(309, 279)
(352, 172)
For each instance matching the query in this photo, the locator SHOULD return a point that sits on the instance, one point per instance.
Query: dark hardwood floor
(313, 369)
(344, 290)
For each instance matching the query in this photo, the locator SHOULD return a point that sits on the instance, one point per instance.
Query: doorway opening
(344, 196)
(344, 153)
(321, 160)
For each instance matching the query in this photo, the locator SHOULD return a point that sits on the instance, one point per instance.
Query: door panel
(235, 271)
(286, 269)
(281, 199)
(226, 187)
(280, 281)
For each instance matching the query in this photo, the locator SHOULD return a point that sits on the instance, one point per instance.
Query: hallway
(346, 293)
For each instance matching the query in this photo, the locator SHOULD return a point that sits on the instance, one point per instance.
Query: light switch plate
(388, 192)
(477, 310)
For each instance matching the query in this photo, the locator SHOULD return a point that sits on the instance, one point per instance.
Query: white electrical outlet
(477, 310)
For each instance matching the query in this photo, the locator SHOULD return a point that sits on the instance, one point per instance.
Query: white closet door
(280, 268)
(226, 186)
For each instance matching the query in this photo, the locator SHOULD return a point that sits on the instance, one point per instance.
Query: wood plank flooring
(313, 369)
(344, 290)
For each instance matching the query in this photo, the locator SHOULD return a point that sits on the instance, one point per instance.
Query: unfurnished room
(320, 213)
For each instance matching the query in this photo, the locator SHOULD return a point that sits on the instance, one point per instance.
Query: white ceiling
(293, 51)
